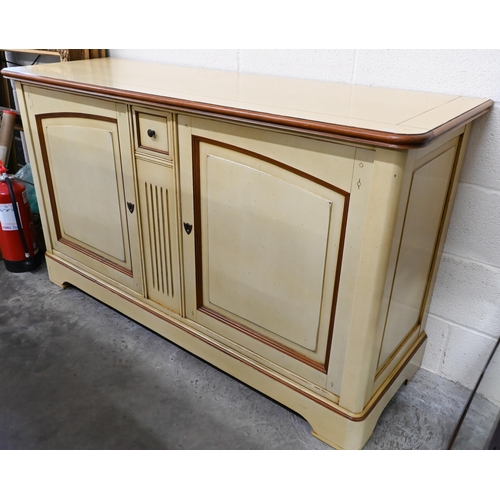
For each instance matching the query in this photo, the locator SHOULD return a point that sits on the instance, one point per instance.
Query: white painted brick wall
(226, 59)
(328, 65)
(464, 317)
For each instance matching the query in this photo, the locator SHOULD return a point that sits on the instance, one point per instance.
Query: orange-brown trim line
(264, 340)
(50, 185)
(153, 150)
(97, 257)
(333, 131)
(363, 416)
(317, 365)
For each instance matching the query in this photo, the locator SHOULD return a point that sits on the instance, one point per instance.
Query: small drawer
(153, 133)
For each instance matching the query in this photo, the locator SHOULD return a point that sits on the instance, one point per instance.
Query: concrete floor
(75, 374)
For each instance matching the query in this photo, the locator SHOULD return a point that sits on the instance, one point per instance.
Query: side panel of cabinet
(429, 185)
(83, 156)
(156, 191)
(262, 266)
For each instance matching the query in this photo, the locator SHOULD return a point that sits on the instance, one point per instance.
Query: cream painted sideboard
(286, 231)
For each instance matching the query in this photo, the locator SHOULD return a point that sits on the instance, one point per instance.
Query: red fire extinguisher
(17, 232)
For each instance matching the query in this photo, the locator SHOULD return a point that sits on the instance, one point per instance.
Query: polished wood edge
(238, 357)
(350, 134)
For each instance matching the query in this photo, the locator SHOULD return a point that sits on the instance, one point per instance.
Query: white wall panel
(315, 64)
(438, 332)
(466, 354)
(461, 72)
(468, 293)
(475, 226)
(482, 161)
(226, 59)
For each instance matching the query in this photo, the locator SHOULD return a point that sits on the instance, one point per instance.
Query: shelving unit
(7, 100)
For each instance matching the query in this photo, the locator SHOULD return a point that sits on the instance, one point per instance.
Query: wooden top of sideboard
(392, 118)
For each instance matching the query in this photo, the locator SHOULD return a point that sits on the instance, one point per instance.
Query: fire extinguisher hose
(18, 218)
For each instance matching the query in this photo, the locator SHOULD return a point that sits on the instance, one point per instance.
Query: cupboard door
(156, 190)
(85, 163)
(267, 244)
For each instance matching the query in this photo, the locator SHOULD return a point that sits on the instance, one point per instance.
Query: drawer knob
(151, 133)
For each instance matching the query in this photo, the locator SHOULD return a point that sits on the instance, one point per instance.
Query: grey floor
(75, 374)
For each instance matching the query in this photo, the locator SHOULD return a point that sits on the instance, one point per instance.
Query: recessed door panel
(267, 246)
(87, 191)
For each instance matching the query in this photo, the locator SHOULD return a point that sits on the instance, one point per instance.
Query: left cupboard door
(84, 161)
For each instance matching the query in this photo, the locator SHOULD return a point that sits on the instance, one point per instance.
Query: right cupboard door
(268, 213)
